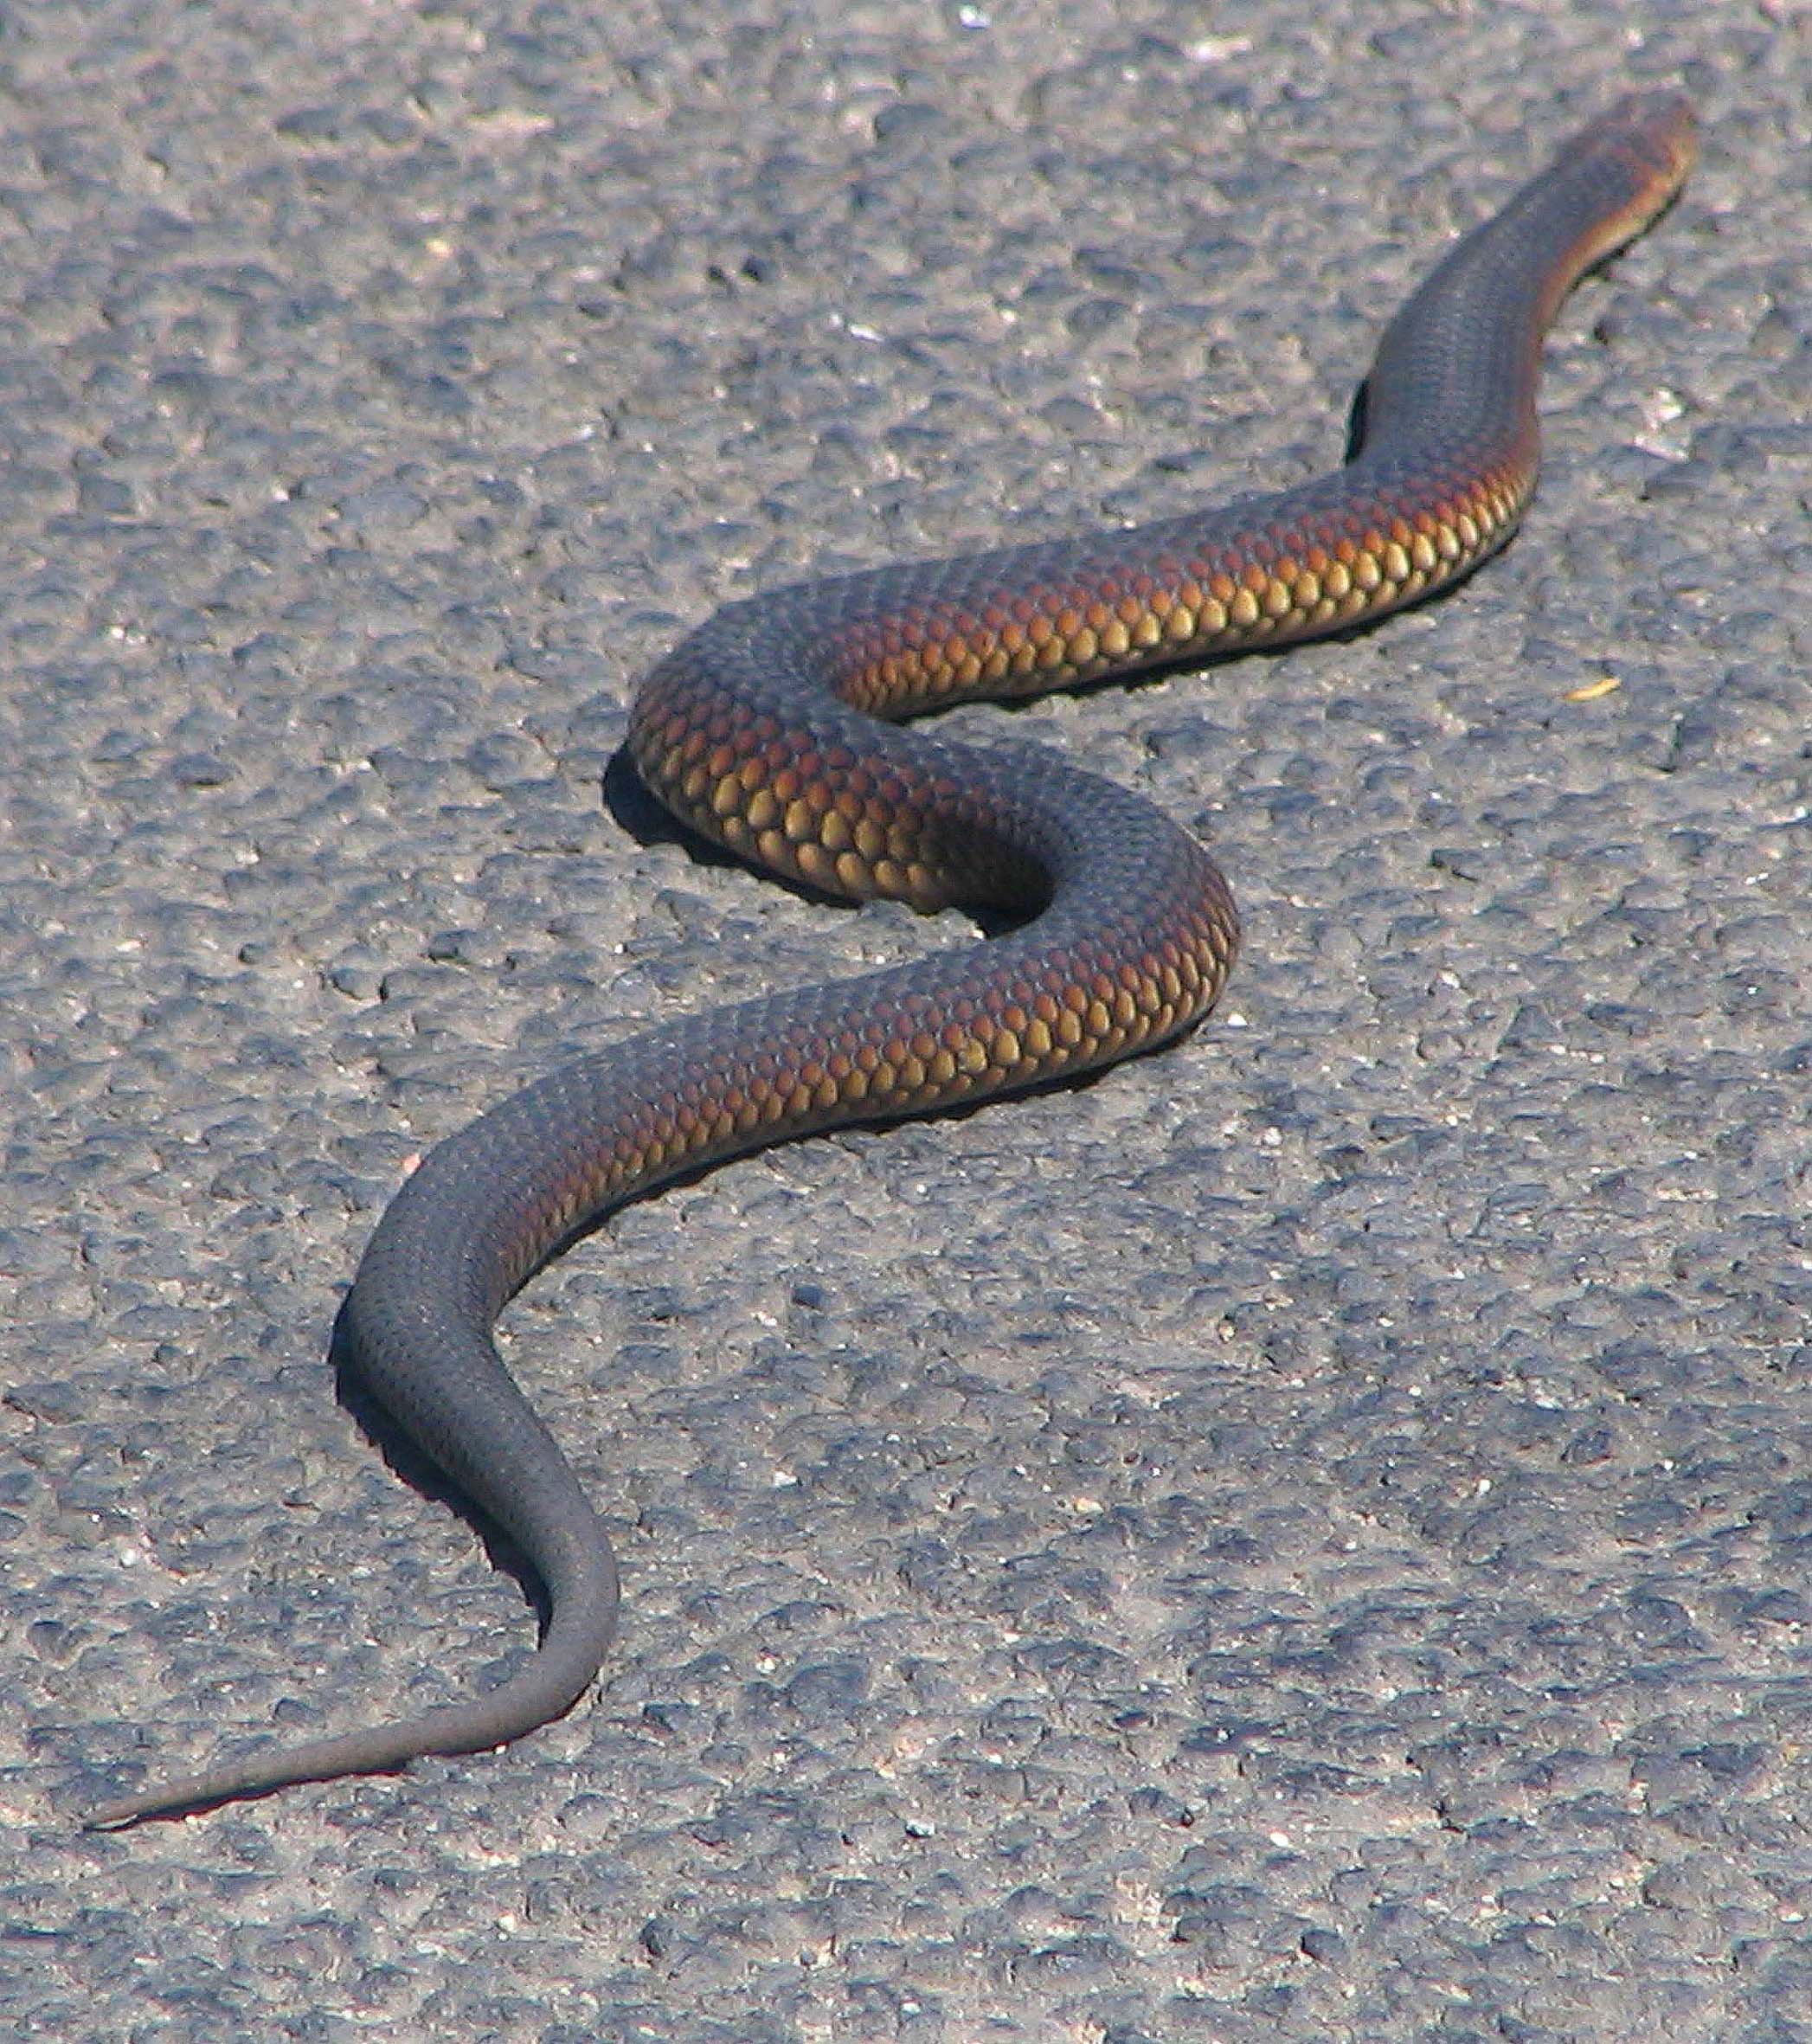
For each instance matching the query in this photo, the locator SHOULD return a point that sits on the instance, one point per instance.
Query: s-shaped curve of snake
(763, 730)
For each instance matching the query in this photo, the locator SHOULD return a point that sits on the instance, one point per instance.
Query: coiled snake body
(760, 731)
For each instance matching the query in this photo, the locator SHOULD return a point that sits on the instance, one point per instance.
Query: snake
(771, 729)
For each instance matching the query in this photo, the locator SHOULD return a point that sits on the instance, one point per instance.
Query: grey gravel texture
(1306, 1538)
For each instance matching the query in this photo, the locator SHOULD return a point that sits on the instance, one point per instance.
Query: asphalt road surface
(1307, 1538)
